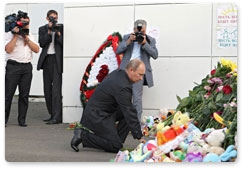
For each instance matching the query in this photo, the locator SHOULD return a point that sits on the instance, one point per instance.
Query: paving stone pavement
(39, 142)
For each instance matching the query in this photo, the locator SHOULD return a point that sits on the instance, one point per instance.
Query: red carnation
(213, 71)
(227, 89)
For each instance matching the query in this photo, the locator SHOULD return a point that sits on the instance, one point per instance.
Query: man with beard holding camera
(51, 61)
(140, 46)
(19, 45)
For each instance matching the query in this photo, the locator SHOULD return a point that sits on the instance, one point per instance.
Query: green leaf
(219, 97)
(206, 111)
(178, 98)
(226, 97)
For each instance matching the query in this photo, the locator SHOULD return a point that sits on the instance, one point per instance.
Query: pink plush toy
(149, 145)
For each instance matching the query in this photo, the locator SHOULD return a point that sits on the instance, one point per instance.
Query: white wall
(185, 35)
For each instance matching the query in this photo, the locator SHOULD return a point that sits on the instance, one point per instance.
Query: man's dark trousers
(52, 87)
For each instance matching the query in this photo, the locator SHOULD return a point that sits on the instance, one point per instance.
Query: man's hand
(131, 38)
(144, 40)
(142, 140)
(15, 29)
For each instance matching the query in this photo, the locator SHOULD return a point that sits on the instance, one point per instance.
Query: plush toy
(211, 157)
(169, 134)
(167, 160)
(137, 154)
(148, 121)
(149, 145)
(196, 136)
(193, 157)
(146, 131)
(160, 127)
(157, 120)
(183, 146)
(194, 147)
(149, 127)
(216, 137)
(164, 113)
(177, 155)
(122, 156)
(181, 118)
(158, 154)
(229, 154)
(173, 144)
(212, 149)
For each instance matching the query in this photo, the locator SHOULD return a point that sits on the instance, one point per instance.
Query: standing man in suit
(51, 61)
(141, 46)
(111, 103)
(19, 47)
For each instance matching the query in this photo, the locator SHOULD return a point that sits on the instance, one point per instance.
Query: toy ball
(149, 145)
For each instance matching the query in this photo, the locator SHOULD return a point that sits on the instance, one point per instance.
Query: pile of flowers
(216, 95)
(103, 62)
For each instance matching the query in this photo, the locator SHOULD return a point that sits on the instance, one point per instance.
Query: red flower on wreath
(227, 89)
(89, 93)
(102, 73)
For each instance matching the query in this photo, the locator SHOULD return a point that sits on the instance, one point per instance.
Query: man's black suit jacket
(44, 40)
(110, 100)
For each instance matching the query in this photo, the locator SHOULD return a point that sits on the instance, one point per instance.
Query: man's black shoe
(23, 125)
(53, 122)
(49, 119)
(77, 139)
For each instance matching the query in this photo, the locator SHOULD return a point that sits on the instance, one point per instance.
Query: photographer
(19, 45)
(140, 46)
(51, 61)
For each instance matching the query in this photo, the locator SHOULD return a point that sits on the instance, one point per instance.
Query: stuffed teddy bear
(216, 137)
(212, 149)
(180, 119)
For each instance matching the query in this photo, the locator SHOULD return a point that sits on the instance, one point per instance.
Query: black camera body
(13, 20)
(139, 35)
(55, 27)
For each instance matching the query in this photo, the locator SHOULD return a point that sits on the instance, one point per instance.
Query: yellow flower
(229, 63)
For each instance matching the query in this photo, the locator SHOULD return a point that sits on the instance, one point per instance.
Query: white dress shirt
(21, 52)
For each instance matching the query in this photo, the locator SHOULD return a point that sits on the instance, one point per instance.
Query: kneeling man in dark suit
(110, 103)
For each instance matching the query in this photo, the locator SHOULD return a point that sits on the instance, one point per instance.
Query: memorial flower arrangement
(103, 62)
(213, 103)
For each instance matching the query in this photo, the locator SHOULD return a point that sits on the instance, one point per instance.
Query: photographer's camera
(55, 27)
(13, 20)
(139, 34)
